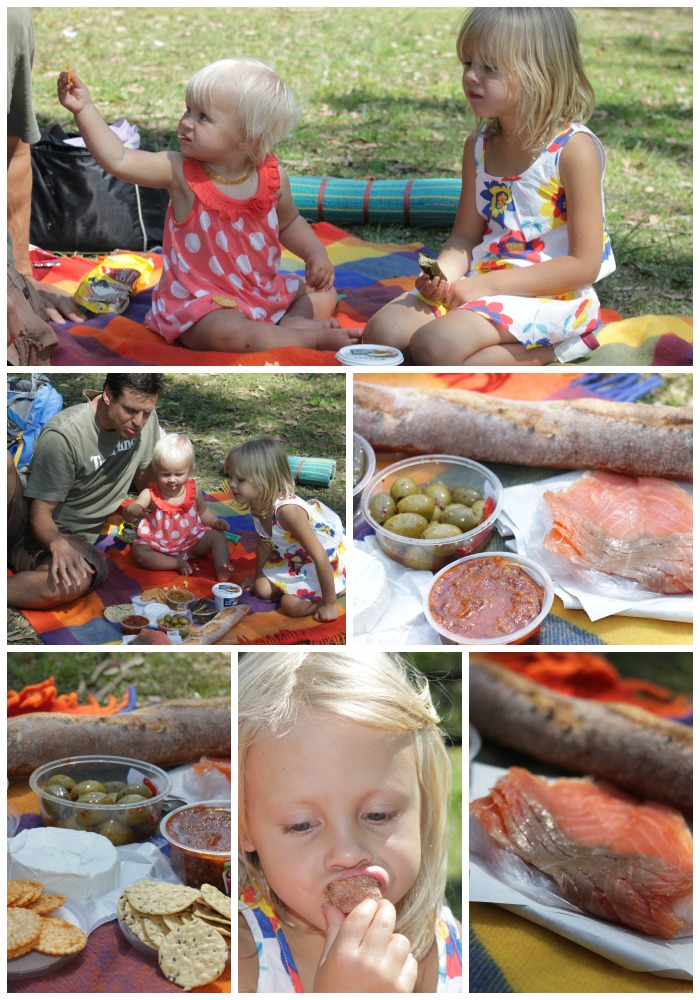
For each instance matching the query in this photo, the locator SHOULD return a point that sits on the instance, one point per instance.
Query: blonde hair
(262, 106)
(373, 689)
(264, 462)
(538, 48)
(173, 451)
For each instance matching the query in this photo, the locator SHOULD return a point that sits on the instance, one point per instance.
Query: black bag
(79, 208)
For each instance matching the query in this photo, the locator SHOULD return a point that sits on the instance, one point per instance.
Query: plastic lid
(376, 355)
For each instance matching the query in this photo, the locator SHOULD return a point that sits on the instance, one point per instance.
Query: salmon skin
(640, 528)
(613, 856)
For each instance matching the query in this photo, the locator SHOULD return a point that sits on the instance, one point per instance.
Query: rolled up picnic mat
(425, 201)
(312, 471)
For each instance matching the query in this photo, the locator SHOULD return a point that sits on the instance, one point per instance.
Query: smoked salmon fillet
(613, 856)
(640, 528)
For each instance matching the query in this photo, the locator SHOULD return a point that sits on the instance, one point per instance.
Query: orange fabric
(43, 697)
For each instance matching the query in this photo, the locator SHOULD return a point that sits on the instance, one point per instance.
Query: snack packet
(108, 288)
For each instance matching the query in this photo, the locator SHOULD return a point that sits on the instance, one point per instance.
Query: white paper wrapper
(388, 600)
(520, 518)
(538, 899)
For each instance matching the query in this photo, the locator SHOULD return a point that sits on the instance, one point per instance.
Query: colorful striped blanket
(368, 276)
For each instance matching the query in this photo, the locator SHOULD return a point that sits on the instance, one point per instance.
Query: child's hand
(326, 612)
(319, 271)
(466, 290)
(362, 954)
(135, 512)
(74, 97)
(221, 525)
(434, 289)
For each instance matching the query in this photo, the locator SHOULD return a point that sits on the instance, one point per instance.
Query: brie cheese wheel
(77, 864)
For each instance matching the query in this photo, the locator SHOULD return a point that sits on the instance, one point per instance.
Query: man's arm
(68, 567)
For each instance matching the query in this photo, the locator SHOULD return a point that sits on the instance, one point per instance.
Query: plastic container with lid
(364, 465)
(370, 356)
(454, 471)
(484, 594)
(199, 835)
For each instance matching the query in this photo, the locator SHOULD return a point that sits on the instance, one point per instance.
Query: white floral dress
(526, 223)
(289, 566)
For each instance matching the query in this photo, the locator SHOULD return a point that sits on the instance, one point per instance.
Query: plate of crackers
(44, 930)
(186, 931)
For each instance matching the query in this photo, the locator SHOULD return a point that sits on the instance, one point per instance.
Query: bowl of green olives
(176, 621)
(364, 463)
(119, 797)
(428, 511)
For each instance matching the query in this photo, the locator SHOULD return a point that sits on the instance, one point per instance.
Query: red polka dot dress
(227, 250)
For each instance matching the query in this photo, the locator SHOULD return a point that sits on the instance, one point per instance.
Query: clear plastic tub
(370, 464)
(197, 836)
(527, 632)
(121, 824)
(454, 472)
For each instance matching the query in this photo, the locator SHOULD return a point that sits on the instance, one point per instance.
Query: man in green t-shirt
(85, 461)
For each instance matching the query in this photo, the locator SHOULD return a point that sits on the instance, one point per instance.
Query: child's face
(243, 489)
(207, 131)
(172, 479)
(490, 91)
(328, 797)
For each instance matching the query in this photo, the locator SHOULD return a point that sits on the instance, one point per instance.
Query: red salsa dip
(485, 599)
(200, 843)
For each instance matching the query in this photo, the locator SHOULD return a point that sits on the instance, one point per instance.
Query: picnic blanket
(368, 275)
(82, 622)
(562, 627)
(109, 964)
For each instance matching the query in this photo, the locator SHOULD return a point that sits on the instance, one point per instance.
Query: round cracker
(23, 928)
(216, 900)
(46, 903)
(21, 891)
(159, 898)
(59, 937)
(193, 955)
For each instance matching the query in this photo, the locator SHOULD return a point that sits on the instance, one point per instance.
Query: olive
(85, 786)
(136, 789)
(402, 487)
(57, 791)
(437, 530)
(409, 525)
(69, 822)
(466, 495)
(438, 493)
(463, 517)
(417, 503)
(381, 506)
(114, 786)
(116, 832)
(446, 510)
(62, 779)
(129, 813)
(86, 817)
(416, 557)
(478, 509)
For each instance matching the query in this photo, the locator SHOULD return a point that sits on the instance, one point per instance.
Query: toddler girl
(342, 772)
(301, 548)
(175, 523)
(230, 209)
(529, 237)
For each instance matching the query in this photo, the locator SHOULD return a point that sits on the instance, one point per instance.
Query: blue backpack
(30, 405)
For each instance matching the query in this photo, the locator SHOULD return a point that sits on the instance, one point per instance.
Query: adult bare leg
(36, 590)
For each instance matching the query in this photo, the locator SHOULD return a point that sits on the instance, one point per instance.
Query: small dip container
(490, 598)
(226, 595)
(178, 599)
(200, 842)
(133, 624)
(372, 355)
(202, 610)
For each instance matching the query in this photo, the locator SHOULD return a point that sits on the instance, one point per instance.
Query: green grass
(381, 93)
(156, 676)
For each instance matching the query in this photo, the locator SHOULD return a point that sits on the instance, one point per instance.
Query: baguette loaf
(173, 732)
(646, 755)
(219, 627)
(631, 438)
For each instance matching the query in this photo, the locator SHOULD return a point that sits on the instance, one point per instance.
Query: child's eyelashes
(372, 818)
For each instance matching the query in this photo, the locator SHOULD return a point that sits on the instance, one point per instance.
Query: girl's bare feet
(331, 336)
(183, 566)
